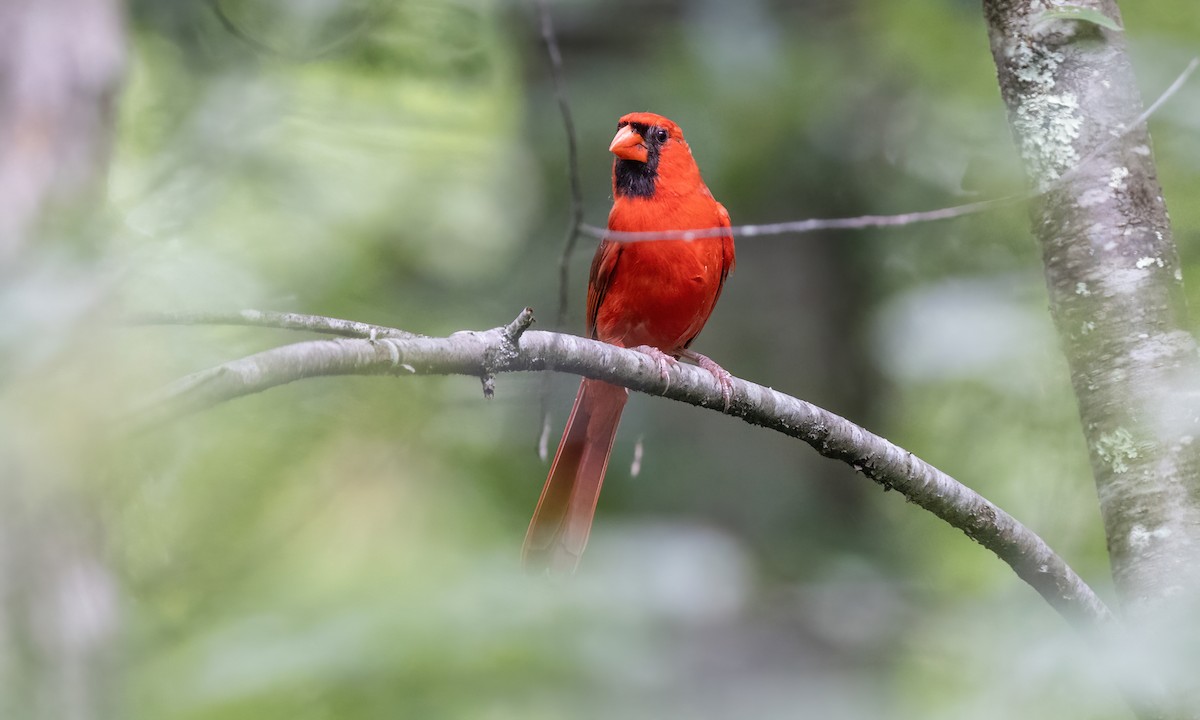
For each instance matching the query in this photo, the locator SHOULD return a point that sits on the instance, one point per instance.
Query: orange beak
(628, 145)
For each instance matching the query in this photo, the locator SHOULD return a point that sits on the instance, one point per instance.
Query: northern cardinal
(649, 295)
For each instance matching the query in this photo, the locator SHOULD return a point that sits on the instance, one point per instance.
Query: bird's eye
(660, 135)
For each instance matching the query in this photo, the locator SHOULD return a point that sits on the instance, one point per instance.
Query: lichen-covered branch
(511, 348)
(1115, 286)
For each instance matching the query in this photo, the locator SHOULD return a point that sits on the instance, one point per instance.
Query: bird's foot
(723, 376)
(663, 360)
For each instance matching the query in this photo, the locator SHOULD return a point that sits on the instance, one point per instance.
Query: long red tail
(559, 529)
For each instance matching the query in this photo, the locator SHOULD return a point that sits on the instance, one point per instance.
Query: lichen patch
(1116, 449)
(1093, 197)
(1141, 538)
(1116, 177)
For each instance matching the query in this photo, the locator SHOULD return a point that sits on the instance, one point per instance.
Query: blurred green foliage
(349, 548)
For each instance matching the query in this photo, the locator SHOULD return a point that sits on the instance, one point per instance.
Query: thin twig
(278, 320)
(796, 227)
(871, 221)
(575, 222)
(515, 329)
(557, 76)
(369, 18)
(483, 353)
(1137, 123)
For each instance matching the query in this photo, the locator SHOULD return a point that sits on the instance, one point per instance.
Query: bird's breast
(661, 293)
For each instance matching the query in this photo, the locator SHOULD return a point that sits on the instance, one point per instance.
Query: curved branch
(510, 349)
(370, 17)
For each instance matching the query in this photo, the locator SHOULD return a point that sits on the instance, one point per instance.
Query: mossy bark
(1115, 288)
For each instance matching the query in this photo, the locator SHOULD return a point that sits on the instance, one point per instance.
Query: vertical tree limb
(61, 63)
(1115, 287)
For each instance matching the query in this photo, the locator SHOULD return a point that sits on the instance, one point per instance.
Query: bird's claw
(724, 377)
(663, 360)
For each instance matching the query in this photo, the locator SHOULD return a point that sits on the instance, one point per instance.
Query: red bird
(649, 295)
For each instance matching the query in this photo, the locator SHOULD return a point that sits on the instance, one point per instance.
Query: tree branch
(370, 17)
(279, 320)
(798, 227)
(511, 349)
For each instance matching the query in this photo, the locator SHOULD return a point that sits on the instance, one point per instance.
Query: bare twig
(511, 335)
(554, 56)
(796, 227)
(1112, 141)
(280, 320)
(575, 223)
(368, 18)
(492, 351)
(515, 329)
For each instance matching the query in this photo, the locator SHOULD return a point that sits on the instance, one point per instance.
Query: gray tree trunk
(1116, 292)
(61, 63)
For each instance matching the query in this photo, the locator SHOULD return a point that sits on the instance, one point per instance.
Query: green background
(349, 548)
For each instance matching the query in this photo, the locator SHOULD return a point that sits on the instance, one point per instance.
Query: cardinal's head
(649, 150)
